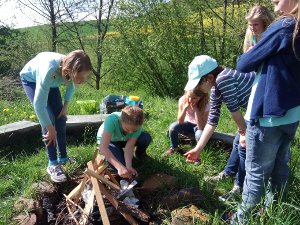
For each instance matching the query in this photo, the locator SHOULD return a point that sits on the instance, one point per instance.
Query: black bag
(112, 103)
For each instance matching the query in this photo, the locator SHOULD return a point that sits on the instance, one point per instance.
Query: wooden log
(78, 189)
(102, 179)
(99, 197)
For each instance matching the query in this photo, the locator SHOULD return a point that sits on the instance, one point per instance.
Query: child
(259, 18)
(192, 116)
(41, 78)
(123, 130)
(227, 85)
(274, 107)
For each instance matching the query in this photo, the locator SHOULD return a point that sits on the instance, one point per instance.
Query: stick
(90, 172)
(99, 197)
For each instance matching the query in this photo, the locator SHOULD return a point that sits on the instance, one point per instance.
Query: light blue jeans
(267, 157)
(184, 128)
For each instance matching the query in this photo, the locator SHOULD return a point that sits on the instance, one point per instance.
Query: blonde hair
(296, 13)
(260, 12)
(203, 101)
(132, 115)
(76, 62)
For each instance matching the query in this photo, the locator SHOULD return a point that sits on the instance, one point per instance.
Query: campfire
(100, 188)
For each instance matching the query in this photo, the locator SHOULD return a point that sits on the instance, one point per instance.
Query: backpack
(112, 103)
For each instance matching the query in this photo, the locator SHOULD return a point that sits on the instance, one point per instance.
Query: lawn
(24, 165)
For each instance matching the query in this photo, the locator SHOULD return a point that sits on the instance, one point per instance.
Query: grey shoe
(235, 191)
(56, 173)
(221, 176)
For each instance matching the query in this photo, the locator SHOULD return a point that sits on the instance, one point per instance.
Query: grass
(27, 164)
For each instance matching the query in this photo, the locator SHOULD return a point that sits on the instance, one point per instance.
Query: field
(25, 165)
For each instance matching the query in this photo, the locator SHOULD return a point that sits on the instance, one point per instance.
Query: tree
(100, 13)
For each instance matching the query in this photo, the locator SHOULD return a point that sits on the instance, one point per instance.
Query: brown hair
(132, 115)
(262, 13)
(204, 98)
(76, 61)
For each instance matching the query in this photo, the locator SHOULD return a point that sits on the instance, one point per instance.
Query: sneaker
(221, 176)
(235, 191)
(56, 173)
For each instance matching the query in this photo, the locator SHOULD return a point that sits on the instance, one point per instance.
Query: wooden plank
(115, 204)
(85, 120)
(21, 126)
(77, 190)
(90, 172)
(99, 197)
(111, 177)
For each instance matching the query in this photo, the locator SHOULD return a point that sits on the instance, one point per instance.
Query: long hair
(203, 101)
(296, 13)
(262, 13)
(76, 61)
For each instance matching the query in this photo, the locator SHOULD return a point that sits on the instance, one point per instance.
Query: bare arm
(240, 121)
(246, 45)
(182, 107)
(109, 156)
(193, 154)
(128, 154)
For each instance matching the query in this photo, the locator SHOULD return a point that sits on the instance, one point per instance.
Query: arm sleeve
(137, 133)
(69, 91)
(109, 123)
(215, 107)
(228, 90)
(266, 47)
(40, 101)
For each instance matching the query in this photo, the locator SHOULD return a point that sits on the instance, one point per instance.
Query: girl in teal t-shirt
(122, 130)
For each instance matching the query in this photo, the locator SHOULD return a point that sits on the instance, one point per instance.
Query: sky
(11, 15)
(14, 17)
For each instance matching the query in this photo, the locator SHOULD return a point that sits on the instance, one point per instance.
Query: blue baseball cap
(200, 66)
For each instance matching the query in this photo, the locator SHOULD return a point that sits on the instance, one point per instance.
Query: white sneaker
(221, 176)
(56, 173)
(236, 190)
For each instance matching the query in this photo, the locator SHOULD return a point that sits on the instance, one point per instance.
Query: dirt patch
(51, 208)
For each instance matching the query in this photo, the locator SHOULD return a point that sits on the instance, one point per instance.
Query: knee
(173, 127)
(145, 138)
(198, 134)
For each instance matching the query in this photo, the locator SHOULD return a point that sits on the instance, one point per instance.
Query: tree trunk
(53, 25)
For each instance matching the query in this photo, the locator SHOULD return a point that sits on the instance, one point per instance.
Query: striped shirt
(233, 88)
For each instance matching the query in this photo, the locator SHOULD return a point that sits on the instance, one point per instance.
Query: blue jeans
(267, 157)
(236, 162)
(54, 107)
(184, 128)
(142, 143)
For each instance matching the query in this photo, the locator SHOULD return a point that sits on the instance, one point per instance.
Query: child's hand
(63, 112)
(50, 137)
(192, 156)
(124, 173)
(133, 172)
(243, 141)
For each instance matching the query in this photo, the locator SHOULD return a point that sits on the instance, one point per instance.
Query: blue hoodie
(278, 89)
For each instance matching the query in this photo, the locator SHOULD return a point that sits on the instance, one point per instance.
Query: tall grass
(27, 164)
